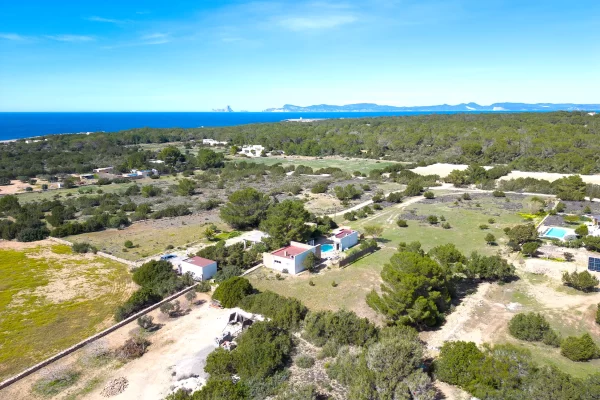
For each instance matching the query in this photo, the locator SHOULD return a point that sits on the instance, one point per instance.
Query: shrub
(320, 187)
(83, 247)
(466, 196)
(203, 287)
(285, 312)
(579, 348)
(344, 327)
(560, 207)
(490, 239)
(134, 347)
(146, 322)
(432, 219)
(231, 291)
(429, 195)
(551, 338)
(128, 244)
(491, 221)
(139, 300)
(583, 281)
(446, 225)
(402, 223)
(498, 193)
(305, 361)
(530, 248)
(377, 207)
(483, 227)
(530, 327)
(350, 216)
(582, 230)
(334, 284)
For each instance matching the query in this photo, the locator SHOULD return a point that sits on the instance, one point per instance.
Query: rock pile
(114, 387)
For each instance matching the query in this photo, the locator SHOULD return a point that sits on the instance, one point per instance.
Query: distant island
(371, 107)
(226, 109)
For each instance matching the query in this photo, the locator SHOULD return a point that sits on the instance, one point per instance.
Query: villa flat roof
(199, 261)
(289, 251)
(344, 233)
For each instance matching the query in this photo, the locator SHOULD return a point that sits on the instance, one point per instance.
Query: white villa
(254, 150)
(201, 268)
(289, 259)
(344, 238)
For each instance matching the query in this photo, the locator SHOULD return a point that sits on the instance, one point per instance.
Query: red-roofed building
(289, 259)
(201, 268)
(344, 238)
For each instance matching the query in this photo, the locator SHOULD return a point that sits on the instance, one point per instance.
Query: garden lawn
(51, 299)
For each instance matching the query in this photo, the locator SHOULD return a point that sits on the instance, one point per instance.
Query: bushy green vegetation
(418, 287)
(157, 279)
(579, 348)
(507, 372)
(583, 280)
(533, 327)
(231, 291)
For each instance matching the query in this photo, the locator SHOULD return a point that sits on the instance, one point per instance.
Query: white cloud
(107, 20)
(156, 38)
(315, 22)
(13, 36)
(70, 38)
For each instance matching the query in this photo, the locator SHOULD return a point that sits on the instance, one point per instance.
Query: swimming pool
(555, 233)
(326, 248)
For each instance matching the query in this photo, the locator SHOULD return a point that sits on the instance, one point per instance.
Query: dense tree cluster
(157, 279)
(507, 372)
(555, 142)
(418, 288)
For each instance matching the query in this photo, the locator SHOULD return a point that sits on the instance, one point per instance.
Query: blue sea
(17, 125)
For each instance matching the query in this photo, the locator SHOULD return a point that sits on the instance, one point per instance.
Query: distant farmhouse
(141, 173)
(255, 150)
(201, 269)
(104, 170)
(289, 259)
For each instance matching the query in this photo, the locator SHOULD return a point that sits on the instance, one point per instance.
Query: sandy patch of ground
(549, 176)
(175, 358)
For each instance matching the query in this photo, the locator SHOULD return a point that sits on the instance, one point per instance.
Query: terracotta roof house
(289, 259)
(201, 268)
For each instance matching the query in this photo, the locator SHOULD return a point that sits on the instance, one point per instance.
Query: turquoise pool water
(556, 233)
(326, 247)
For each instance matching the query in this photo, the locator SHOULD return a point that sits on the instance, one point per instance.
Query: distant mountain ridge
(371, 107)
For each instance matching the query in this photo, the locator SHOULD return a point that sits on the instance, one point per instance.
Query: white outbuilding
(201, 269)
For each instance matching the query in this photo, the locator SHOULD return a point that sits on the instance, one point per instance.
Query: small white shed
(201, 268)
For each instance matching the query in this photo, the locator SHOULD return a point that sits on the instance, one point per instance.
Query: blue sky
(197, 55)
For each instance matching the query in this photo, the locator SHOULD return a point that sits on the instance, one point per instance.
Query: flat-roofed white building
(255, 150)
(289, 259)
(103, 170)
(201, 268)
(344, 238)
(213, 142)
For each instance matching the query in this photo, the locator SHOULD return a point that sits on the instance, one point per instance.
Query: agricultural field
(464, 217)
(152, 236)
(345, 164)
(51, 299)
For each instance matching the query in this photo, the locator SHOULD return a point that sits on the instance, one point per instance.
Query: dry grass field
(51, 298)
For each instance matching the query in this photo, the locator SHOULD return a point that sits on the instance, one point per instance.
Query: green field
(464, 219)
(51, 299)
(345, 164)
